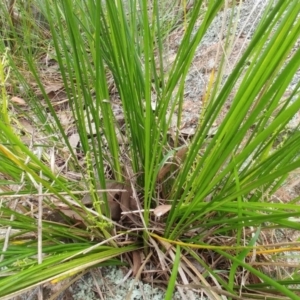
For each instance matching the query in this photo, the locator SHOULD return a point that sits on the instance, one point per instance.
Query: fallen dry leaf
(161, 210)
(53, 88)
(115, 206)
(65, 118)
(18, 100)
(137, 262)
(74, 140)
(55, 216)
(178, 158)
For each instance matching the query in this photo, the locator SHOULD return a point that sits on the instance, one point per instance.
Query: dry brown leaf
(179, 157)
(65, 118)
(72, 214)
(136, 259)
(74, 140)
(127, 202)
(113, 203)
(53, 88)
(110, 185)
(188, 131)
(26, 126)
(18, 100)
(55, 216)
(161, 210)
(115, 210)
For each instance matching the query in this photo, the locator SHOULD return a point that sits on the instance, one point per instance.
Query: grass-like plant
(129, 185)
